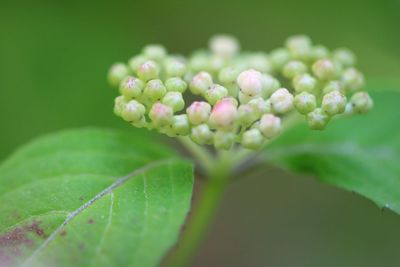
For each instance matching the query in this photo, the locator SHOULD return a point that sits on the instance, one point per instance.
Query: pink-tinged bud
(161, 115)
(200, 83)
(270, 125)
(250, 82)
(198, 112)
(223, 114)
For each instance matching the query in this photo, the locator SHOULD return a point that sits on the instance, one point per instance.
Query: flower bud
(334, 103)
(223, 139)
(180, 124)
(333, 86)
(201, 134)
(317, 119)
(223, 114)
(133, 111)
(270, 125)
(260, 105)
(175, 84)
(244, 99)
(155, 89)
(131, 87)
(324, 69)
(154, 52)
(161, 115)
(299, 47)
(281, 101)
(279, 57)
(198, 112)
(252, 139)
(117, 73)
(148, 71)
(352, 79)
(141, 123)
(304, 83)
(119, 105)
(293, 68)
(345, 57)
(269, 85)
(259, 61)
(319, 52)
(199, 61)
(175, 68)
(228, 75)
(136, 61)
(247, 114)
(305, 102)
(216, 63)
(174, 100)
(200, 83)
(224, 45)
(250, 82)
(361, 102)
(215, 93)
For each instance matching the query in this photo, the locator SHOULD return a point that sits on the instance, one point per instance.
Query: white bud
(200, 83)
(117, 73)
(317, 119)
(281, 101)
(305, 102)
(215, 93)
(361, 102)
(293, 68)
(174, 100)
(252, 139)
(133, 111)
(148, 71)
(270, 125)
(201, 134)
(224, 45)
(161, 115)
(250, 82)
(304, 83)
(324, 69)
(334, 103)
(131, 87)
(223, 114)
(352, 79)
(259, 61)
(198, 112)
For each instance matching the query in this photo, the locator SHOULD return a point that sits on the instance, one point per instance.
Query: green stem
(204, 158)
(203, 214)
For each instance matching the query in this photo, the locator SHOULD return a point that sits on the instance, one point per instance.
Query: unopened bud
(352, 79)
(247, 114)
(250, 82)
(155, 90)
(270, 125)
(260, 105)
(294, 68)
(223, 114)
(281, 101)
(345, 57)
(155, 52)
(259, 61)
(299, 46)
(252, 139)
(304, 83)
(324, 69)
(215, 93)
(223, 139)
(228, 75)
(133, 111)
(200, 83)
(176, 84)
(201, 134)
(317, 119)
(175, 68)
(180, 124)
(148, 71)
(361, 102)
(279, 57)
(174, 100)
(131, 87)
(305, 102)
(319, 52)
(224, 45)
(269, 85)
(334, 103)
(117, 73)
(161, 115)
(333, 86)
(198, 112)
(136, 61)
(119, 105)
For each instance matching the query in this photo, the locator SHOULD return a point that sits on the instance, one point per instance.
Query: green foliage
(360, 154)
(92, 198)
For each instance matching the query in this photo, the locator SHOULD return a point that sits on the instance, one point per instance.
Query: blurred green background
(54, 56)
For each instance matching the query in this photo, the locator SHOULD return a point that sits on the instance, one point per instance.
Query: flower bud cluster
(222, 96)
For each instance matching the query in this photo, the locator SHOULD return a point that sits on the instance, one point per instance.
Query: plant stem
(203, 214)
(204, 158)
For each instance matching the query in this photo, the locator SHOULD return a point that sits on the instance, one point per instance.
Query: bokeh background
(54, 56)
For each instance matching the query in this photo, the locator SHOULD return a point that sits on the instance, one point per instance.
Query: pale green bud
(250, 82)
(259, 61)
(244, 99)
(215, 93)
(252, 139)
(216, 63)
(133, 111)
(199, 61)
(319, 52)
(260, 105)
(270, 125)
(180, 124)
(352, 79)
(161, 115)
(223, 114)
(345, 57)
(317, 119)
(224, 45)
(305, 102)
(228, 75)
(117, 73)
(247, 114)
(201, 134)
(174, 100)
(119, 105)
(324, 69)
(155, 89)
(361, 102)
(131, 87)
(334, 103)
(136, 61)
(141, 123)
(279, 57)
(198, 112)
(269, 85)
(200, 83)
(155, 52)
(148, 70)
(299, 47)
(223, 139)
(333, 86)
(176, 84)
(281, 101)
(233, 90)
(293, 68)
(175, 67)
(304, 83)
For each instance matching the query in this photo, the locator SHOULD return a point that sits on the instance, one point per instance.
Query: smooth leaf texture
(92, 198)
(360, 154)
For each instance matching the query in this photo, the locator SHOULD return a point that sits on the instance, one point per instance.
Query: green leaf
(360, 154)
(92, 198)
